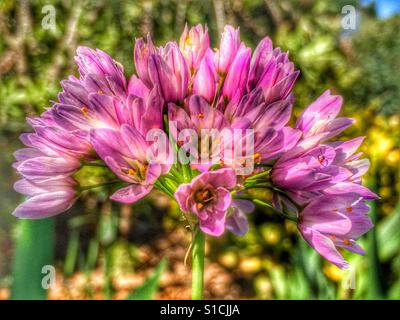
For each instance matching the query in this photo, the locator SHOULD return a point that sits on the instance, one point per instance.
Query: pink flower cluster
(103, 119)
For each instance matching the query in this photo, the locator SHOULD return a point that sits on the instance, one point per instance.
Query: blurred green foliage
(377, 79)
(148, 289)
(271, 261)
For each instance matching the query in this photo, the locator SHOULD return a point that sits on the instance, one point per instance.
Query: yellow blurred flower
(250, 265)
(263, 287)
(393, 158)
(271, 234)
(385, 192)
(333, 273)
(228, 259)
(381, 144)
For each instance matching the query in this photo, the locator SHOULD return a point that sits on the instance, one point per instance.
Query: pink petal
(324, 246)
(131, 193)
(45, 205)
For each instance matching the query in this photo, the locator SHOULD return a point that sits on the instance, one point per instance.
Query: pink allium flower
(45, 198)
(198, 115)
(272, 71)
(95, 100)
(313, 170)
(144, 114)
(125, 153)
(230, 44)
(236, 78)
(43, 168)
(236, 221)
(169, 71)
(208, 197)
(100, 72)
(43, 160)
(206, 74)
(306, 173)
(61, 139)
(335, 221)
(320, 118)
(270, 142)
(141, 57)
(194, 44)
(346, 157)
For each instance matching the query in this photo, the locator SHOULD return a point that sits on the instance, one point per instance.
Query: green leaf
(149, 288)
(34, 250)
(375, 288)
(388, 235)
(278, 282)
(72, 253)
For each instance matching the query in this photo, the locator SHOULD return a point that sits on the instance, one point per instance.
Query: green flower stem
(174, 171)
(107, 270)
(84, 188)
(171, 184)
(173, 178)
(264, 165)
(198, 264)
(258, 186)
(284, 215)
(260, 175)
(187, 172)
(160, 186)
(94, 164)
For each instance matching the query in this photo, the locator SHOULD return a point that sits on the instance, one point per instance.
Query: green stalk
(34, 250)
(107, 270)
(257, 186)
(260, 175)
(72, 253)
(282, 214)
(108, 183)
(170, 184)
(198, 264)
(94, 164)
(186, 171)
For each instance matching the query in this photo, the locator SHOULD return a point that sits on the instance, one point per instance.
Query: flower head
(227, 97)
